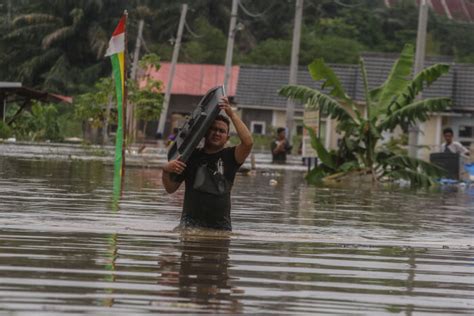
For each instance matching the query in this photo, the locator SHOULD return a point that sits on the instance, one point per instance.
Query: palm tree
(392, 105)
(60, 44)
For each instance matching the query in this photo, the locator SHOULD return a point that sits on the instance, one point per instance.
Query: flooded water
(295, 249)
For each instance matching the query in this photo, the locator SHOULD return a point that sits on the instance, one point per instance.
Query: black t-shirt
(202, 209)
(280, 158)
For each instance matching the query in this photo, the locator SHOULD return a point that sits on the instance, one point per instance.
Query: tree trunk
(144, 130)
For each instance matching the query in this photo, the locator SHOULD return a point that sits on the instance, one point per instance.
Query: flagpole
(125, 99)
(118, 57)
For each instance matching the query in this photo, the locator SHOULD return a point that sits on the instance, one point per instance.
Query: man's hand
(281, 147)
(225, 106)
(175, 166)
(243, 149)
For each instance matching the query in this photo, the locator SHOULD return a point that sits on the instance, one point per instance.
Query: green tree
(148, 99)
(389, 106)
(90, 106)
(5, 131)
(333, 49)
(270, 52)
(208, 48)
(453, 38)
(59, 45)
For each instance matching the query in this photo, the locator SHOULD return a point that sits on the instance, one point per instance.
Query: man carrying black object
(209, 173)
(280, 147)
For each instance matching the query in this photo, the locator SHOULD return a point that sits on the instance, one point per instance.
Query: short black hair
(280, 129)
(224, 119)
(448, 130)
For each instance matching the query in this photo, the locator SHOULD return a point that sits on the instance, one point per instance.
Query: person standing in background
(280, 147)
(450, 146)
(172, 137)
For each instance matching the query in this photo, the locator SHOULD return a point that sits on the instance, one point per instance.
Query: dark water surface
(295, 249)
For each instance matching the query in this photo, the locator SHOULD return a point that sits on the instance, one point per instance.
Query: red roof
(194, 79)
(13, 89)
(470, 9)
(438, 6)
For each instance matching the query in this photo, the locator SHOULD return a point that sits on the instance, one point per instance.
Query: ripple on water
(65, 247)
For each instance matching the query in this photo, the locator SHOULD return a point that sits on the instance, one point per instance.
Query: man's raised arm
(246, 141)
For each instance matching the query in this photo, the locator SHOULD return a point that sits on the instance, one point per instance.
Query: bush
(5, 130)
(38, 125)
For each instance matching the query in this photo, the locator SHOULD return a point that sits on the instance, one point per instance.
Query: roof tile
(258, 85)
(194, 79)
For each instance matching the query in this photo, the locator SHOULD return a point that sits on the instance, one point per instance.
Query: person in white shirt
(450, 146)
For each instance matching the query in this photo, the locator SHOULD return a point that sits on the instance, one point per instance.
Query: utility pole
(9, 14)
(136, 52)
(132, 122)
(4, 108)
(230, 43)
(295, 50)
(419, 64)
(174, 60)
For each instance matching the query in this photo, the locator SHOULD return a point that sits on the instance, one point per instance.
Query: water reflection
(110, 266)
(199, 270)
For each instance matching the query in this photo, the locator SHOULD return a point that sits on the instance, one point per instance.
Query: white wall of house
(278, 119)
(429, 137)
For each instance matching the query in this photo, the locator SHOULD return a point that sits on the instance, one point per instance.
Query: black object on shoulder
(196, 126)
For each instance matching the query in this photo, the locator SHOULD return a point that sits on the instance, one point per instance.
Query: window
(257, 127)
(299, 130)
(465, 131)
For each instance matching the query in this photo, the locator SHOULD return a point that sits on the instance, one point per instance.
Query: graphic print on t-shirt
(220, 166)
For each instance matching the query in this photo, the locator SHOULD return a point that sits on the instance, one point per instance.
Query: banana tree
(393, 104)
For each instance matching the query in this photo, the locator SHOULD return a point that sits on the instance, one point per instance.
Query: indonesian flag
(116, 51)
(117, 42)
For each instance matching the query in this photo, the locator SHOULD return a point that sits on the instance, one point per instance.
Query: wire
(252, 15)
(339, 2)
(144, 45)
(191, 31)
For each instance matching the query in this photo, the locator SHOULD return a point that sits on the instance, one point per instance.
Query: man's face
(448, 137)
(218, 135)
(281, 135)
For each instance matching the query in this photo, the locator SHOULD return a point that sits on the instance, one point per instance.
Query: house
(458, 85)
(263, 110)
(190, 84)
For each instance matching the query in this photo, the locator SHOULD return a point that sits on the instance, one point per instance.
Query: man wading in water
(209, 173)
